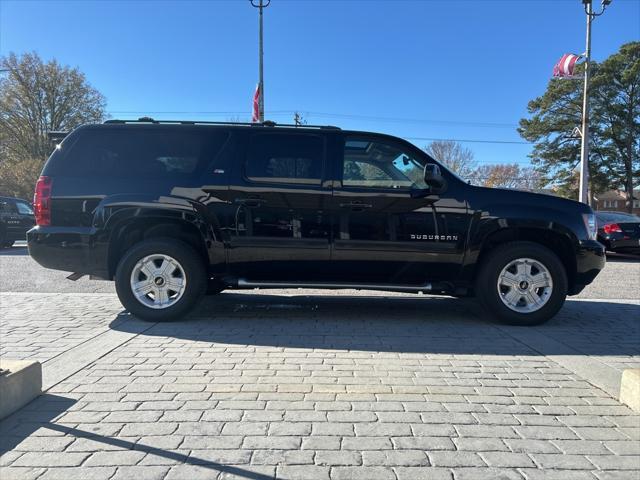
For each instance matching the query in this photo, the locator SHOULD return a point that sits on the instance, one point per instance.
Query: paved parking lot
(306, 384)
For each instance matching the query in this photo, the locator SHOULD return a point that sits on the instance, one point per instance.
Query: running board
(426, 288)
(75, 276)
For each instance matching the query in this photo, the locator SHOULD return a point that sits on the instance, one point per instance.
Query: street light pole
(584, 155)
(260, 6)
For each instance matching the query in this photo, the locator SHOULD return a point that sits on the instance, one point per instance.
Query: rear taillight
(42, 201)
(612, 228)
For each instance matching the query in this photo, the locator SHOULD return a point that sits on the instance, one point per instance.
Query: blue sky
(460, 69)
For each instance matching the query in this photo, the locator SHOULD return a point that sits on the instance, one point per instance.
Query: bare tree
(37, 97)
(507, 176)
(453, 156)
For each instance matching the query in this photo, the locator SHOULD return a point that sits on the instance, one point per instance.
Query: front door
(25, 214)
(12, 228)
(280, 228)
(388, 228)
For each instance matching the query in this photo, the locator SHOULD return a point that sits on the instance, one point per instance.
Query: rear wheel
(522, 283)
(160, 279)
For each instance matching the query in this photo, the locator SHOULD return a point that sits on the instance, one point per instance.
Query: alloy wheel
(525, 285)
(158, 281)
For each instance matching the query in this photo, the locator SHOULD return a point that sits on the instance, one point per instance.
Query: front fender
(497, 217)
(557, 229)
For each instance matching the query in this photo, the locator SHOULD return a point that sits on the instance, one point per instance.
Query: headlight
(590, 224)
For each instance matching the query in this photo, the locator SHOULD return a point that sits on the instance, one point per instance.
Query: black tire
(488, 293)
(189, 261)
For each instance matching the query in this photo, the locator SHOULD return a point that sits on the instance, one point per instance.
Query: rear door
(280, 227)
(388, 230)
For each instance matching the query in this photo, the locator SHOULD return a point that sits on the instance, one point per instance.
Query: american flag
(255, 117)
(565, 66)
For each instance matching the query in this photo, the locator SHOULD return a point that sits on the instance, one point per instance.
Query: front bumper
(590, 260)
(71, 249)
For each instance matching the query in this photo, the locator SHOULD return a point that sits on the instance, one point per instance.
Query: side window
(377, 164)
(147, 154)
(24, 209)
(7, 206)
(285, 158)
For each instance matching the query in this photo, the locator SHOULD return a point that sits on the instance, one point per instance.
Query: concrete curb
(630, 388)
(20, 385)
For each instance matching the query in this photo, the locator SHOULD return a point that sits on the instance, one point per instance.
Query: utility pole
(260, 5)
(584, 195)
(298, 119)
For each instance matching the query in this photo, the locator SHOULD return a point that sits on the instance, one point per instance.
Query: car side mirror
(433, 178)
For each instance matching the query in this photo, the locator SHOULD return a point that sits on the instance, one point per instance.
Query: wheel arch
(559, 242)
(127, 233)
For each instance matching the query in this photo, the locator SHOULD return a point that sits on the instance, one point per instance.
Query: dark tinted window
(285, 158)
(610, 217)
(7, 206)
(146, 154)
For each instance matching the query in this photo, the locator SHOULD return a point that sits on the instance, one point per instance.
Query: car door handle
(356, 205)
(250, 202)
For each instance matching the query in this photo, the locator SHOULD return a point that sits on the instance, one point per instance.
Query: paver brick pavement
(259, 387)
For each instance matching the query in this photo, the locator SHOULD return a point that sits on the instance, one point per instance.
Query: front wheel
(160, 279)
(522, 283)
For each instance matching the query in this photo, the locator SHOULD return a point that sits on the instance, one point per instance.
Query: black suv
(171, 210)
(16, 217)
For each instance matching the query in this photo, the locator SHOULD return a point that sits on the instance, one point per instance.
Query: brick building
(616, 200)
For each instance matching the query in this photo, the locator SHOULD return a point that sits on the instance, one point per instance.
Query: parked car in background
(619, 232)
(16, 217)
(171, 209)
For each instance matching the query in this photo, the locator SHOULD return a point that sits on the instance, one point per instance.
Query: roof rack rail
(266, 123)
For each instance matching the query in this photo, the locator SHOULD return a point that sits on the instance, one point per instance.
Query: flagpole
(584, 155)
(260, 6)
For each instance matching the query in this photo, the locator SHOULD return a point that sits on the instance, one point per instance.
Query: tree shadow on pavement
(396, 324)
(31, 418)
(37, 420)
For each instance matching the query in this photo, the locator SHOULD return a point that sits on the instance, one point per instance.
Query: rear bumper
(590, 260)
(71, 249)
(625, 245)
